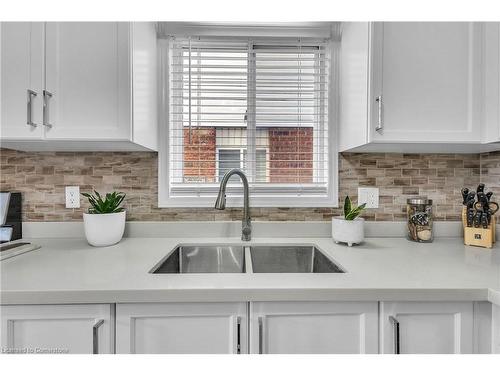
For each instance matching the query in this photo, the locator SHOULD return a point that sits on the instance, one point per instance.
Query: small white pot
(348, 231)
(104, 229)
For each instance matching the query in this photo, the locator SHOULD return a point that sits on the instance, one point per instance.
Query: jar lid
(419, 200)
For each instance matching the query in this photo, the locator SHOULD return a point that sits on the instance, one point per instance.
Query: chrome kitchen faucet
(220, 203)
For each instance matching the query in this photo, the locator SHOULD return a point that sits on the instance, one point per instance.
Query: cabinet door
(181, 328)
(426, 327)
(88, 76)
(491, 130)
(428, 75)
(313, 327)
(21, 73)
(496, 329)
(76, 329)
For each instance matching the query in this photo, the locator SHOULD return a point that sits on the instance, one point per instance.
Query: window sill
(255, 201)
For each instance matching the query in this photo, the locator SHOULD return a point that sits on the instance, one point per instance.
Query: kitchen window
(262, 105)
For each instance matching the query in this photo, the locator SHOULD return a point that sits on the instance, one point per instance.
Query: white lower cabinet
(255, 327)
(426, 327)
(313, 327)
(181, 328)
(75, 329)
(495, 329)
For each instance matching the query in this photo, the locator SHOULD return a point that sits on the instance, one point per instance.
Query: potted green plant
(105, 220)
(350, 227)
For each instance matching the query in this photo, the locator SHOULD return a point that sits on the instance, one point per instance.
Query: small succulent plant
(108, 205)
(351, 212)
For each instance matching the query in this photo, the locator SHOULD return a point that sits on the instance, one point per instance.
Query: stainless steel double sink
(246, 259)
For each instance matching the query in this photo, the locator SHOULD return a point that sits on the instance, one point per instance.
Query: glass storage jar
(419, 212)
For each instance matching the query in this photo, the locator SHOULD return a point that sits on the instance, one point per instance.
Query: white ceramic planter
(104, 229)
(348, 231)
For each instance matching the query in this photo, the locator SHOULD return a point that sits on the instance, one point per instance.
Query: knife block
(482, 237)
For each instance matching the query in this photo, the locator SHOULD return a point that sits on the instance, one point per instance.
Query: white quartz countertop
(381, 269)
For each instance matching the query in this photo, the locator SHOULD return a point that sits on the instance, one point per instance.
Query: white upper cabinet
(21, 80)
(99, 89)
(87, 81)
(491, 130)
(415, 86)
(427, 76)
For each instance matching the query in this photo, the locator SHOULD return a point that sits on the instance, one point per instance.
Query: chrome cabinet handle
(46, 96)
(261, 334)
(238, 333)
(379, 127)
(29, 108)
(95, 336)
(395, 330)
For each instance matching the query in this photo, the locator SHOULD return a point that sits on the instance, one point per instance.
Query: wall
(42, 177)
(199, 155)
(291, 155)
(490, 172)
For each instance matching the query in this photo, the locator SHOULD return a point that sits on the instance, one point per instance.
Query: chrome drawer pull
(29, 108)
(95, 336)
(395, 328)
(378, 99)
(46, 96)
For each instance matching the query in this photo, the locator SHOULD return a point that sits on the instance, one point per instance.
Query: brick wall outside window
(199, 155)
(291, 155)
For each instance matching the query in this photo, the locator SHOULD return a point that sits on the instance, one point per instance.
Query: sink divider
(248, 260)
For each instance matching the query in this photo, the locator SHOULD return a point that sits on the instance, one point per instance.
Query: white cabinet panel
(354, 94)
(21, 70)
(496, 329)
(88, 75)
(491, 131)
(426, 327)
(429, 77)
(424, 85)
(181, 328)
(76, 329)
(313, 327)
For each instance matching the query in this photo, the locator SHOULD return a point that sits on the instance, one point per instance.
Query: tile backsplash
(42, 176)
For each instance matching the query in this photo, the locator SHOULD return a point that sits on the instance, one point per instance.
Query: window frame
(263, 194)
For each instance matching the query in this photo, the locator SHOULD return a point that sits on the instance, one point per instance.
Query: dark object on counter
(11, 224)
(419, 211)
(470, 212)
(478, 217)
(465, 195)
(13, 245)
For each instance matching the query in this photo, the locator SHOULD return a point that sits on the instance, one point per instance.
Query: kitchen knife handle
(95, 336)
(379, 126)
(396, 336)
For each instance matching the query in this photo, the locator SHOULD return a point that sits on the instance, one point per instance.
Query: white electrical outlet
(72, 196)
(368, 196)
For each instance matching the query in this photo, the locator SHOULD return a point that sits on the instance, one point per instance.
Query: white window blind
(268, 100)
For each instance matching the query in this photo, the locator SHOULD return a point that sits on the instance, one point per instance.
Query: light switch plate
(72, 196)
(368, 196)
